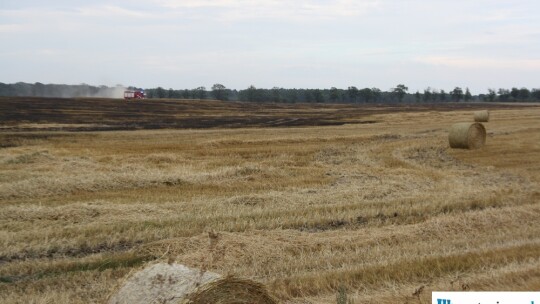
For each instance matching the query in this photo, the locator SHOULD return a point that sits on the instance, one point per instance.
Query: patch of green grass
(6, 279)
(124, 260)
(118, 261)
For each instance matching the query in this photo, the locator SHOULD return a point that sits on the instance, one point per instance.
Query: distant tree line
(352, 94)
(59, 90)
(399, 94)
(514, 94)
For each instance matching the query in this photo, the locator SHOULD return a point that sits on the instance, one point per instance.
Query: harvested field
(376, 209)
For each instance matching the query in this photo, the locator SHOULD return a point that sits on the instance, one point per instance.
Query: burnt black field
(100, 114)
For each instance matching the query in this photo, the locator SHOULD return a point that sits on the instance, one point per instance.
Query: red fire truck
(134, 94)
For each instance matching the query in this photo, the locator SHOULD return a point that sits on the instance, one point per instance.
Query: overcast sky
(478, 44)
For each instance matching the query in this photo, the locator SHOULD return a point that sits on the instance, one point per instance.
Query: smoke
(114, 92)
(61, 90)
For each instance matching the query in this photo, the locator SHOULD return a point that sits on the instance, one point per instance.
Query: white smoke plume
(61, 90)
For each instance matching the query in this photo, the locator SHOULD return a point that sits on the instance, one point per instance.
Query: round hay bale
(481, 116)
(178, 284)
(467, 135)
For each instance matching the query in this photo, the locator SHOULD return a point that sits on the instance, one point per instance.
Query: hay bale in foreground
(481, 116)
(467, 135)
(175, 283)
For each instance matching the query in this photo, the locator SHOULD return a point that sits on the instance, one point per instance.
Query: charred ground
(94, 114)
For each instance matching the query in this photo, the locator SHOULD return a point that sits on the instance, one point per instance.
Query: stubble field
(374, 204)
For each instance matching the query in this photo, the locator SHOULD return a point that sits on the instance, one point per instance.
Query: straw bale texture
(175, 283)
(467, 135)
(481, 116)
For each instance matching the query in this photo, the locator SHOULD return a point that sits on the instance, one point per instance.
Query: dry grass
(377, 209)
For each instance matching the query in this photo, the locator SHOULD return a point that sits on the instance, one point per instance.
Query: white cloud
(12, 28)
(484, 63)
(104, 19)
(175, 4)
(275, 9)
(111, 11)
(31, 15)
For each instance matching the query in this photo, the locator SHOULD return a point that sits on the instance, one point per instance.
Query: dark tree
(185, 94)
(442, 95)
(504, 94)
(524, 94)
(334, 94)
(353, 93)
(199, 93)
(220, 92)
(491, 95)
(366, 94)
(251, 93)
(457, 94)
(292, 95)
(468, 95)
(535, 94)
(276, 94)
(317, 94)
(308, 96)
(160, 92)
(428, 94)
(400, 91)
(417, 96)
(514, 93)
(376, 94)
